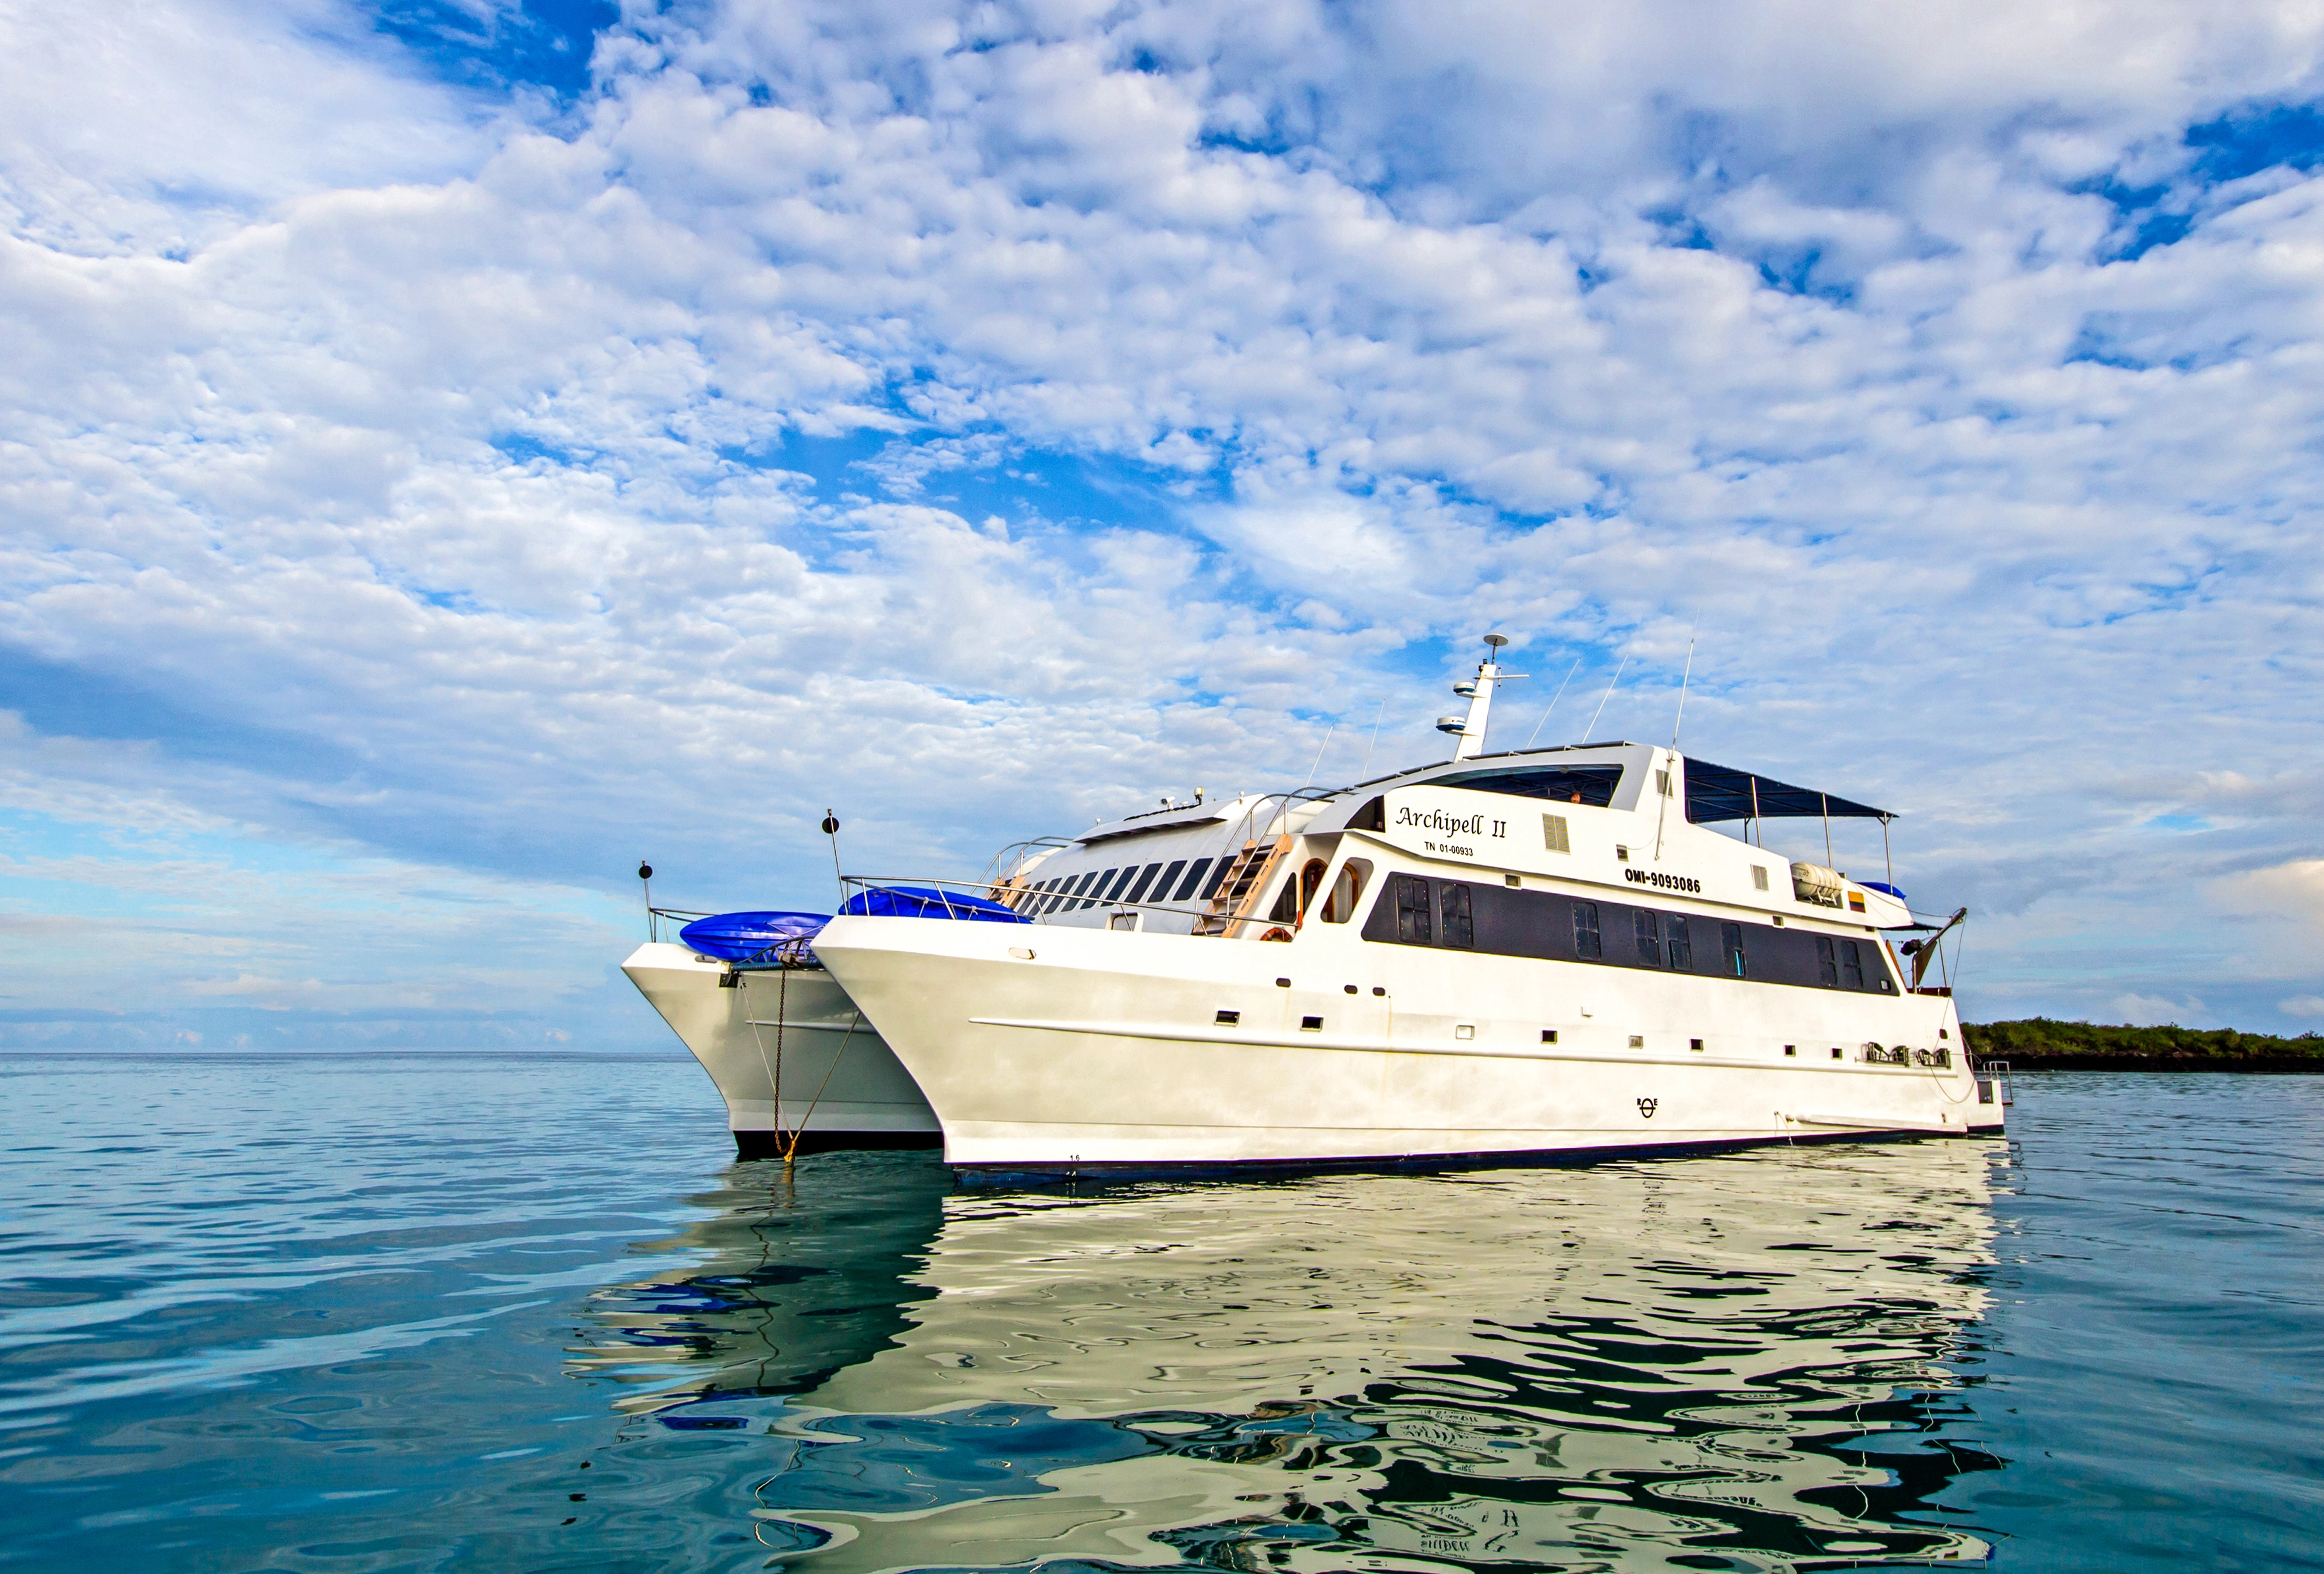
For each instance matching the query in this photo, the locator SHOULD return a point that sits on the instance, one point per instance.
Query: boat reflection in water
(1746, 1362)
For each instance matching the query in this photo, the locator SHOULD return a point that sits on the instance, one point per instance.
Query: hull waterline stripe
(1308, 1040)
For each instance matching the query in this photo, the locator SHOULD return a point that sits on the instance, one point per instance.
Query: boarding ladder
(1240, 887)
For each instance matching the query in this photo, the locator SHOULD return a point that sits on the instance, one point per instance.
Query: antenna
(1319, 757)
(1601, 704)
(1681, 693)
(1365, 774)
(1554, 699)
(831, 829)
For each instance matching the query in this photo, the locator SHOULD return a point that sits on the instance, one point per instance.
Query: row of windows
(1420, 912)
(1122, 884)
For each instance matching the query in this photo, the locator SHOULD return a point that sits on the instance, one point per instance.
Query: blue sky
(452, 449)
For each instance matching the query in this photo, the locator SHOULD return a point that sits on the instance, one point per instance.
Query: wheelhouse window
(1137, 892)
(1730, 941)
(1459, 931)
(1169, 878)
(1682, 944)
(1346, 889)
(1827, 964)
(1114, 891)
(1193, 878)
(1852, 965)
(1647, 927)
(1587, 784)
(1097, 888)
(1218, 877)
(1311, 881)
(1413, 923)
(1586, 942)
(1286, 909)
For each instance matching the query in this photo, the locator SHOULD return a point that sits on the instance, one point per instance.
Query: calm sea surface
(524, 1312)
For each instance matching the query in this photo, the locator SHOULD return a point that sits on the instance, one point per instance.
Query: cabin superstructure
(1624, 829)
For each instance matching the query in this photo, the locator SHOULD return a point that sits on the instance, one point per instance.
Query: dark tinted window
(1457, 929)
(1218, 876)
(1412, 922)
(1169, 878)
(1826, 969)
(1137, 892)
(1097, 889)
(1650, 937)
(1591, 784)
(1586, 945)
(1114, 890)
(1851, 965)
(1730, 940)
(1682, 944)
(1193, 878)
(1286, 904)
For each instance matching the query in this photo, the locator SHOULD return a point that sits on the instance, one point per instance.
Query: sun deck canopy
(1717, 792)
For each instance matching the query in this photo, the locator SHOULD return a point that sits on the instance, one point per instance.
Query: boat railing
(1020, 900)
(673, 918)
(1993, 1083)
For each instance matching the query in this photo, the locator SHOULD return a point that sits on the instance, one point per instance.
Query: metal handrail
(654, 915)
(993, 892)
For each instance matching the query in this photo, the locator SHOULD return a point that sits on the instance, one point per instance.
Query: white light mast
(1469, 729)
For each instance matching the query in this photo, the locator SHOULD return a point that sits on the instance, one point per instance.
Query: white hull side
(864, 1091)
(1102, 1049)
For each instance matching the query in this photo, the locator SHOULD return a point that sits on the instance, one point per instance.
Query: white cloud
(2303, 1006)
(2154, 1010)
(523, 497)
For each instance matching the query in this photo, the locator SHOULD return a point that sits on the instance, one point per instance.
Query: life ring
(1277, 933)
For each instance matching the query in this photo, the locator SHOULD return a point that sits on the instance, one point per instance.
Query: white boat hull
(1046, 1048)
(841, 1085)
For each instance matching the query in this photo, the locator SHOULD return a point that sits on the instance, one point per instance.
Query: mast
(1469, 729)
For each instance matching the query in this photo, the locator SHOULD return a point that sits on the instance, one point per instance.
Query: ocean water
(525, 1312)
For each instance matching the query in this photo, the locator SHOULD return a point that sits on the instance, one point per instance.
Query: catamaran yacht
(1532, 953)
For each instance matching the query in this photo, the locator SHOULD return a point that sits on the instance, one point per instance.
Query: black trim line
(1416, 1163)
(767, 1144)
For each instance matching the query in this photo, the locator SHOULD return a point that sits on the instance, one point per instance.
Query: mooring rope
(844, 1039)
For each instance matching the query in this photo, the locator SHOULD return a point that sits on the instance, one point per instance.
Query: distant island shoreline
(2038, 1043)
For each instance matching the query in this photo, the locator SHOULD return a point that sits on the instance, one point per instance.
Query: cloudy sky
(451, 448)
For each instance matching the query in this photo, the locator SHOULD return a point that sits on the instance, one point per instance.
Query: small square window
(1835, 1054)
(1694, 1044)
(1553, 833)
(1944, 1032)
(1549, 1035)
(1465, 1031)
(1283, 983)
(1512, 882)
(1310, 1025)
(1637, 1040)
(1621, 854)
(1229, 1018)
(1759, 879)
(1790, 1050)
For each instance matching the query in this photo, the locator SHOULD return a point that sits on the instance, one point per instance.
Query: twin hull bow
(794, 1032)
